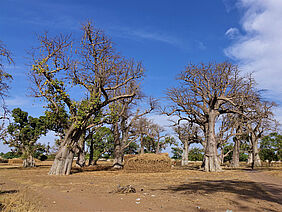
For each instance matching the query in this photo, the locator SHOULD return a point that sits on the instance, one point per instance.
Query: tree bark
(185, 154)
(81, 153)
(64, 157)
(211, 161)
(256, 162)
(158, 147)
(236, 153)
(29, 162)
(142, 145)
(250, 158)
(118, 150)
(118, 157)
(63, 162)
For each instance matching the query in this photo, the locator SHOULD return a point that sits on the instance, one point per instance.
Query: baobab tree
(260, 120)
(60, 71)
(187, 134)
(205, 92)
(125, 128)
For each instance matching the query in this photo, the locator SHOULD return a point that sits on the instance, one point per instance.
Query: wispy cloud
(259, 47)
(233, 33)
(149, 34)
(18, 101)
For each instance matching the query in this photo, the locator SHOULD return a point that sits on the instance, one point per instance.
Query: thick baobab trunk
(185, 154)
(118, 157)
(81, 153)
(211, 161)
(118, 154)
(236, 153)
(63, 161)
(250, 158)
(256, 162)
(64, 157)
(29, 162)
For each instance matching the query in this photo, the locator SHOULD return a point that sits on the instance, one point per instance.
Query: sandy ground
(178, 190)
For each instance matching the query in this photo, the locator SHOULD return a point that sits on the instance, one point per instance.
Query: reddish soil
(178, 190)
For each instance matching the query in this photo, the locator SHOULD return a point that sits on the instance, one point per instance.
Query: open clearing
(178, 190)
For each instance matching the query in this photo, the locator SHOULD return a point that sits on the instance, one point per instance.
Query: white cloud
(259, 48)
(232, 33)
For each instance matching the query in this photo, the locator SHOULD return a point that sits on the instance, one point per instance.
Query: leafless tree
(123, 124)
(142, 129)
(204, 93)
(187, 134)
(61, 66)
(260, 120)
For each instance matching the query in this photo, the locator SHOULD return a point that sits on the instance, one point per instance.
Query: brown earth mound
(148, 163)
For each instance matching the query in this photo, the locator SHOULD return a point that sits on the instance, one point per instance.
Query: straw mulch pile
(127, 157)
(148, 163)
(15, 161)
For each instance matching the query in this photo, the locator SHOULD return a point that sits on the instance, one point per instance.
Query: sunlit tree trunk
(142, 149)
(64, 157)
(250, 158)
(236, 153)
(81, 152)
(211, 161)
(256, 162)
(118, 151)
(185, 154)
(29, 162)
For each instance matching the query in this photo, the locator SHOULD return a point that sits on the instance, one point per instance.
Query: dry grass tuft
(16, 202)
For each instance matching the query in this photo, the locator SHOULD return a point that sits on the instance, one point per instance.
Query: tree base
(28, 162)
(63, 162)
(211, 164)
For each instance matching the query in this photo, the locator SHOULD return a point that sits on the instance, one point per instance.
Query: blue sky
(164, 34)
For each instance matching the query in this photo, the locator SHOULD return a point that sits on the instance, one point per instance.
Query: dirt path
(178, 190)
(50, 199)
(271, 184)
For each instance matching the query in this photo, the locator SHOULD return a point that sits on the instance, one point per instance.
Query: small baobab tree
(187, 134)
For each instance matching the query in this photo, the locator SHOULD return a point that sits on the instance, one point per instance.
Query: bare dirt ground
(178, 190)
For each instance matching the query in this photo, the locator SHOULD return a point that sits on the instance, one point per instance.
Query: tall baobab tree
(59, 71)
(205, 92)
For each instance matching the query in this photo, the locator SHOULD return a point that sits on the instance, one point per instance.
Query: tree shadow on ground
(9, 192)
(245, 190)
(93, 168)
